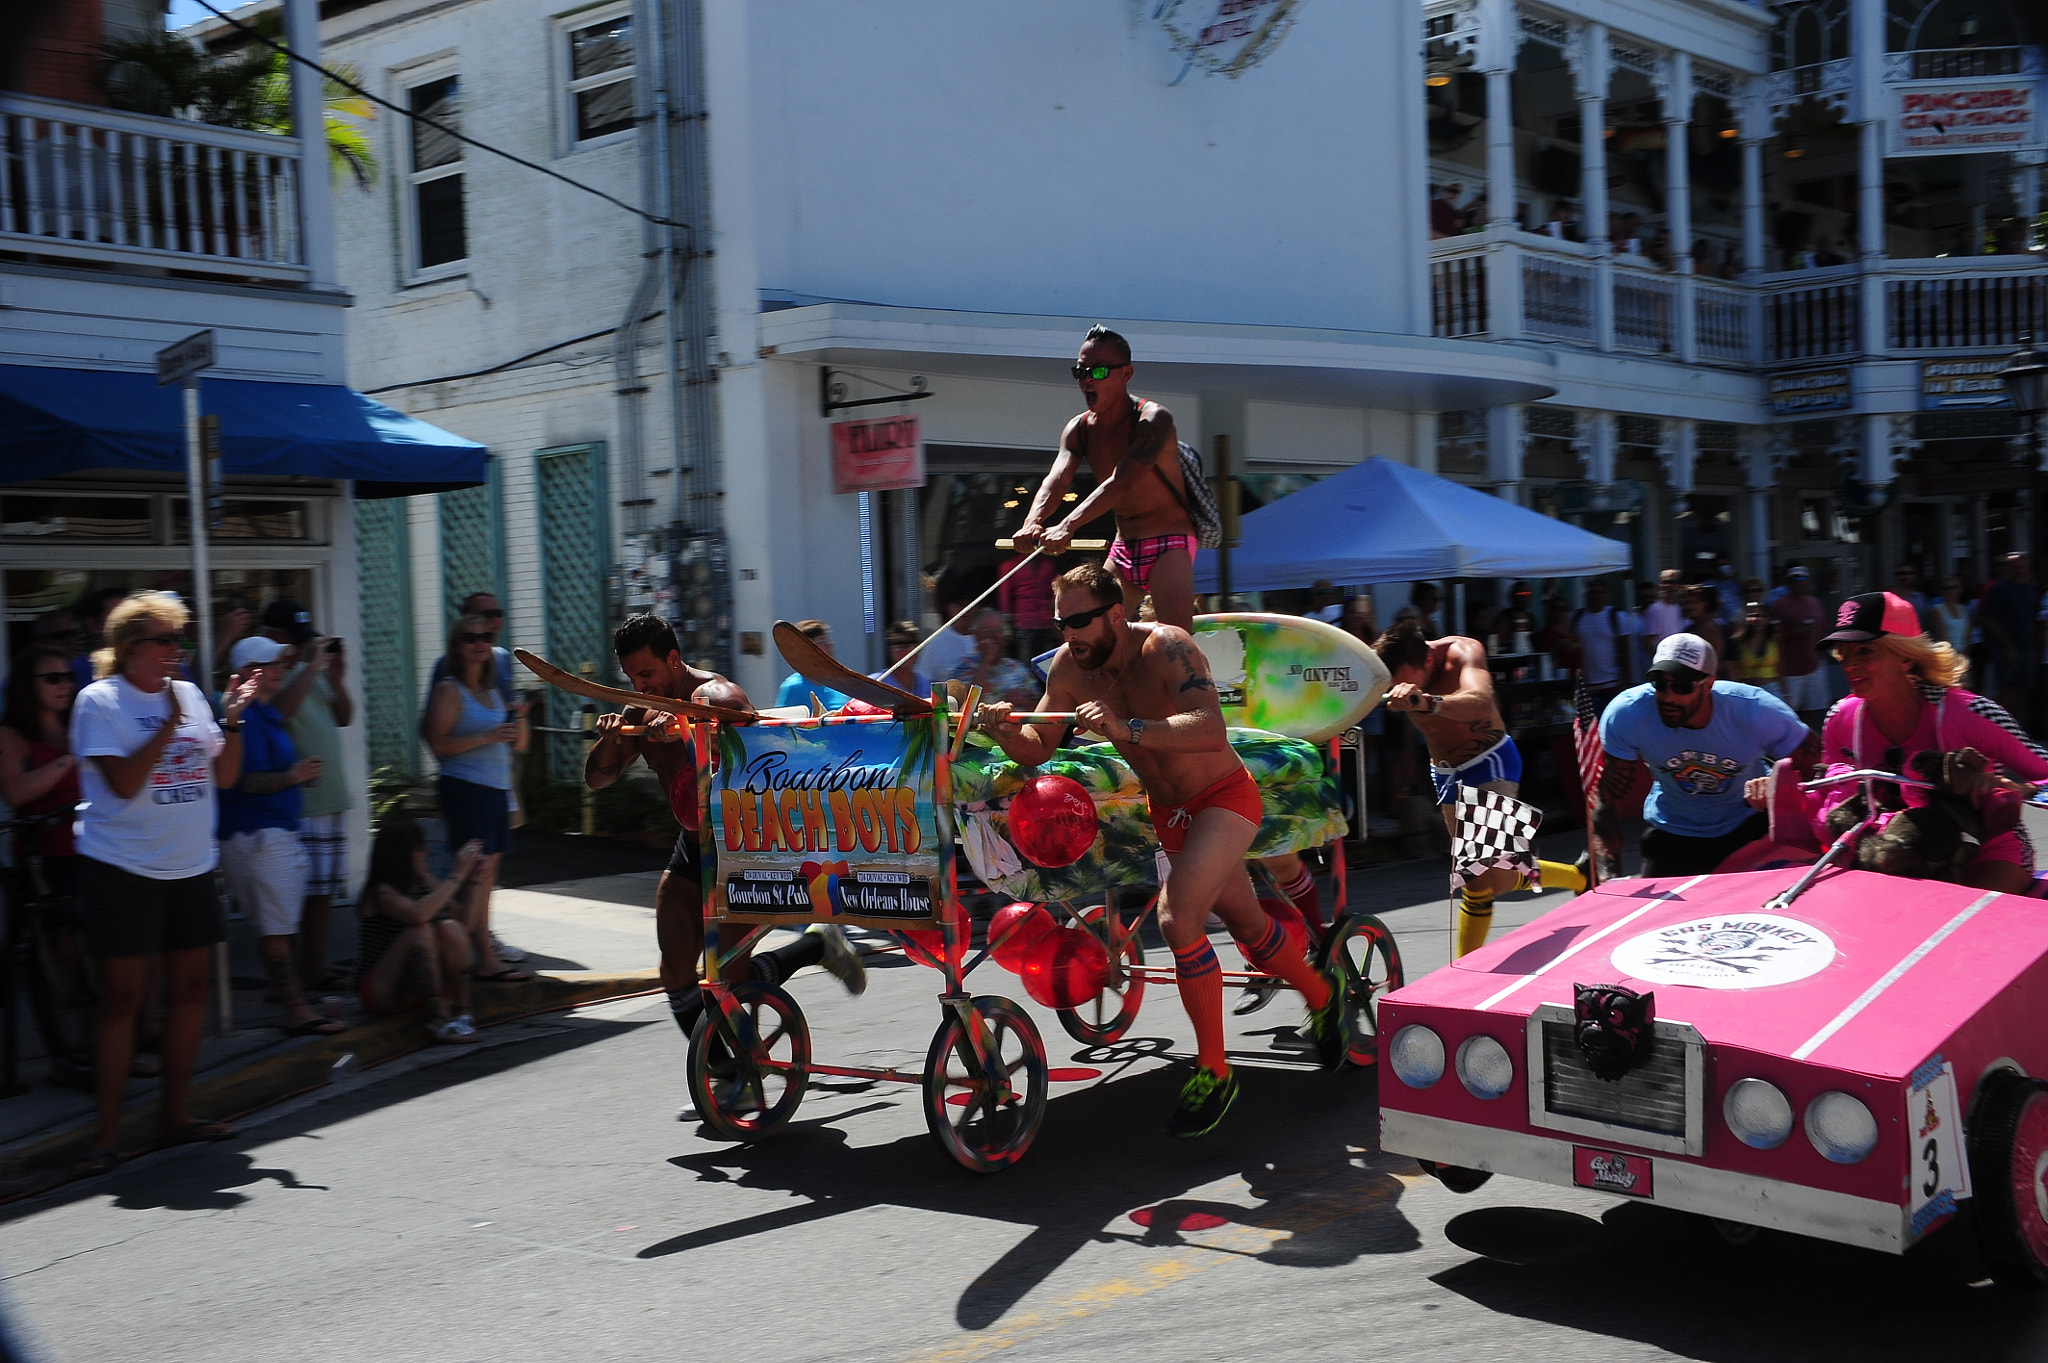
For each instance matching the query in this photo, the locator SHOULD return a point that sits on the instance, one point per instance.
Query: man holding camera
(316, 707)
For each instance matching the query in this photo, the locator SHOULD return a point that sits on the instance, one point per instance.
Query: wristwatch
(1137, 728)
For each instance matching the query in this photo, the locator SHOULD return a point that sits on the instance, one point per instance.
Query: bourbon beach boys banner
(826, 822)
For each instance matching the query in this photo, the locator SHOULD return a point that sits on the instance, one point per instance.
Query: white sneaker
(841, 961)
(455, 1032)
(506, 951)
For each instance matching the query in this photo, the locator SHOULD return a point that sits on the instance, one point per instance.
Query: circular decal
(1727, 951)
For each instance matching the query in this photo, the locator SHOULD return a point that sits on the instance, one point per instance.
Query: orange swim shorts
(1237, 793)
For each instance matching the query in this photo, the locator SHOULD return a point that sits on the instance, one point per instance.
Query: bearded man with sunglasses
(1702, 740)
(1130, 446)
(1146, 688)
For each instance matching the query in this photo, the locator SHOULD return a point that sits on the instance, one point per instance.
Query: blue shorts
(471, 811)
(1501, 762)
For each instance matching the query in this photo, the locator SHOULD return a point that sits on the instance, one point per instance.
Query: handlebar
(1867, 774)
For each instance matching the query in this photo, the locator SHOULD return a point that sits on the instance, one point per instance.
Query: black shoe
(1326, 1024)
(1203, 1101)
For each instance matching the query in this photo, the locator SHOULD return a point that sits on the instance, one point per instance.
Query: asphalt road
(537, 1199)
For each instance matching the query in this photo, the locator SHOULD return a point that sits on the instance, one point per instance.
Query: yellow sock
(1558, 876)
(1475, 916)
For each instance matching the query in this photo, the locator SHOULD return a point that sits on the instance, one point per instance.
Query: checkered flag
(1496, 832)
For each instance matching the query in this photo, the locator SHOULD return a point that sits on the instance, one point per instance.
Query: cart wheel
(1112, 1011)
(750, 1089)
(984, 1121)
(2008, 1145)
(1365, 955)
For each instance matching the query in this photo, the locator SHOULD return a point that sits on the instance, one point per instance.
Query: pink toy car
(1834, 1052)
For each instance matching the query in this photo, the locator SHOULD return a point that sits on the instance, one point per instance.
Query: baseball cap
(1796, 572)
(1685, 655)
(254, 651)
(289, 617)
(1864, 617)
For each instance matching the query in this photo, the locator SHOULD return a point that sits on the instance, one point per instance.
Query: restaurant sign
(877, 455)
(1809, 390)
(1945, 117)
(1963, 383)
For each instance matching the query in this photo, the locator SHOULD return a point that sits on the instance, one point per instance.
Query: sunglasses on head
(469, 637)
(1098, 372)
(1083, 620)
(1663, 683)
(52, 678)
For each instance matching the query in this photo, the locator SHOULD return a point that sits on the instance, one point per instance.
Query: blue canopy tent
(1382, 521)
(58, 421)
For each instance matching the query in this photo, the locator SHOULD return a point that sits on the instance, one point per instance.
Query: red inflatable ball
(931, 941)
(1014, 928)
(856, 706)
(1065, 968)
(1052, 821)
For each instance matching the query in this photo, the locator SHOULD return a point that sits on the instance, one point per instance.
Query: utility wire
(351, 86)
(507, 364)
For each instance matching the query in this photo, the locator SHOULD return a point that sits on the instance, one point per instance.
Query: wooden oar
(1000, 544)
(814, 664)
(618, 695)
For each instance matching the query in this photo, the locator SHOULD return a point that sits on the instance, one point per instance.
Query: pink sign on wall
(877, 455)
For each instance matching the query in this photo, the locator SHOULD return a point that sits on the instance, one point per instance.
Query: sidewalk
(587, 939)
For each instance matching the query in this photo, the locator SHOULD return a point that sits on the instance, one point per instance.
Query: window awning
(59, 421)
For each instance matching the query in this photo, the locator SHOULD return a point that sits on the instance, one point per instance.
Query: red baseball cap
(1865, 617)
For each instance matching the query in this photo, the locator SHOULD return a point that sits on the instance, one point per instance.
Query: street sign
(877, 454)
(183, 359)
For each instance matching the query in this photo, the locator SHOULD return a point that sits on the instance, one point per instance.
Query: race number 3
(1940, 1175)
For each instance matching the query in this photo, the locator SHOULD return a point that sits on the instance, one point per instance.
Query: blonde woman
(153, 756)
(474, 732)
(1905, 699)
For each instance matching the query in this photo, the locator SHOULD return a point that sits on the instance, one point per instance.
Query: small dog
(1970, 803)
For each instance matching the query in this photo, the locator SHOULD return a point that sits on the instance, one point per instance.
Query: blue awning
(59, 421)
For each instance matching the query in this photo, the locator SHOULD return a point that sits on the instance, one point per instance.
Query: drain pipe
(632, 477)
(697, 498)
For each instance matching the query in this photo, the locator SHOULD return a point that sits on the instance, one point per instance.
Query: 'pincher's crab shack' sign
(1944, 117)
(1227, 37)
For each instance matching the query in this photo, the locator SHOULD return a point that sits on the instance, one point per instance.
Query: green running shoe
(1326, 1024)
(1203, 1101)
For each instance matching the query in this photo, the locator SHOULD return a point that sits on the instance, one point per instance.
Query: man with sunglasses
(1146, 688)
(1130, 446)
(1702, 740)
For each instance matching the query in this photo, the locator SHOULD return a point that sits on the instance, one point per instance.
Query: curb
(42, 1161)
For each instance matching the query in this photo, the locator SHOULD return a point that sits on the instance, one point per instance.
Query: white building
(121, 233)
(893, 198)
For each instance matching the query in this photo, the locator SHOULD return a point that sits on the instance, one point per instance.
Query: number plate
(1938, 1174)
(1610, 1171)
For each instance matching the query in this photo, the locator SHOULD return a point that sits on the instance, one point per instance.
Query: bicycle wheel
(1369, 963)
(748, 1073)
(985, 1119)
(1110, 1014)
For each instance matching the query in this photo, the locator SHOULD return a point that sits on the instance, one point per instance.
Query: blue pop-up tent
(1382, 521)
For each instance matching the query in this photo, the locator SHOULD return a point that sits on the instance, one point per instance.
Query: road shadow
(1666, 1279)
(1316, 1193)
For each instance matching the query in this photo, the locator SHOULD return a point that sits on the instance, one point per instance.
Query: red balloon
(931, 939)
(1013, 929)
(1052, 821)
(1065, 968)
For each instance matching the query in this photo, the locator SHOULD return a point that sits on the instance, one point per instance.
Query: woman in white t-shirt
(152, 755)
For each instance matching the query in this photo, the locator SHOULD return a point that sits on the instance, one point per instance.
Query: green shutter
(473, 549)
(569, 495)
(384, 572)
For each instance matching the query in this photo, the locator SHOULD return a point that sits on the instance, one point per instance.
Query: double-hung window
(440, 235)
(600, 69)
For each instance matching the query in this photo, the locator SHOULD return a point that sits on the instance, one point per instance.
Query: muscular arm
(1030, 744)
(1153, 434)
(1056, 482)
(1617, 778)
(613, 751)
(1197, 722)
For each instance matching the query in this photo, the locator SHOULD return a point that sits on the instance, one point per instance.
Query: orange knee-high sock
(1276, 955)
(1302, 890)
(1201, 992)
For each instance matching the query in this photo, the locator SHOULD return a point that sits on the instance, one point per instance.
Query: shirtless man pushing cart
(1146, 688)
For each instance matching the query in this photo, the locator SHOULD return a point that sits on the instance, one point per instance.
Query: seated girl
(410, 948)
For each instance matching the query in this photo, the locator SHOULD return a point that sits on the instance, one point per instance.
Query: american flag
(1586, 738)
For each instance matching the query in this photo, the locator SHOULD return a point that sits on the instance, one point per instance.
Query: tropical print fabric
(1300, 797)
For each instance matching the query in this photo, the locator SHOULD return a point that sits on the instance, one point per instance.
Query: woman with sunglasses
(39, 776)
(1904, 699)
(473, 731)
(151, 755)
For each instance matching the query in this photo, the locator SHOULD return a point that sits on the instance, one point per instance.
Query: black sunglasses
(1084, 619)
(163, 640)
(473, 638)
(52, 678)
(1661, 682)
(1097, 372)
(490, 615)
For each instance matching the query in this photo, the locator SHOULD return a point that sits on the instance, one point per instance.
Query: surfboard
(1288, 674)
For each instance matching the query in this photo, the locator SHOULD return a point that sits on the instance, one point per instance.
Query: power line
(350, 85)
(507, 364)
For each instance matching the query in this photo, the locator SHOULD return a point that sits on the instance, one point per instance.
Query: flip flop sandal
(198, 1130)
(97, 1163)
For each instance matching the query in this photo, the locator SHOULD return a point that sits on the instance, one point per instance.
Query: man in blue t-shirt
(1702, 740)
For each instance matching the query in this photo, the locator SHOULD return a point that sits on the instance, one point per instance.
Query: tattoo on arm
(1617, 777)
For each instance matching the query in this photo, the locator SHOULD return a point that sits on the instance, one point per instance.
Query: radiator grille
(1651, 1097)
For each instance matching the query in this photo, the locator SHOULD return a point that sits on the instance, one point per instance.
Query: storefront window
(246, 518)
(70, 516)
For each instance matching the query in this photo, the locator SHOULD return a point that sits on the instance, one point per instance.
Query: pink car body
(1902, 995)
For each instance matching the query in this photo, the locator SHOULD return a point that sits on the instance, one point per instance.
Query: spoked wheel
(2008, 1145)
(985, 1119)
(748, 1071)
(1370, 965)
(1110, 1013)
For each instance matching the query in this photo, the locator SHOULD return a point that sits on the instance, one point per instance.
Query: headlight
(1484, 1068)
(1417, 1055)
(1758, 1113)
(1840, 1127)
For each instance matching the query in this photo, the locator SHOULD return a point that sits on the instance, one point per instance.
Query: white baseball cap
(1686, 655)
(254, 651)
